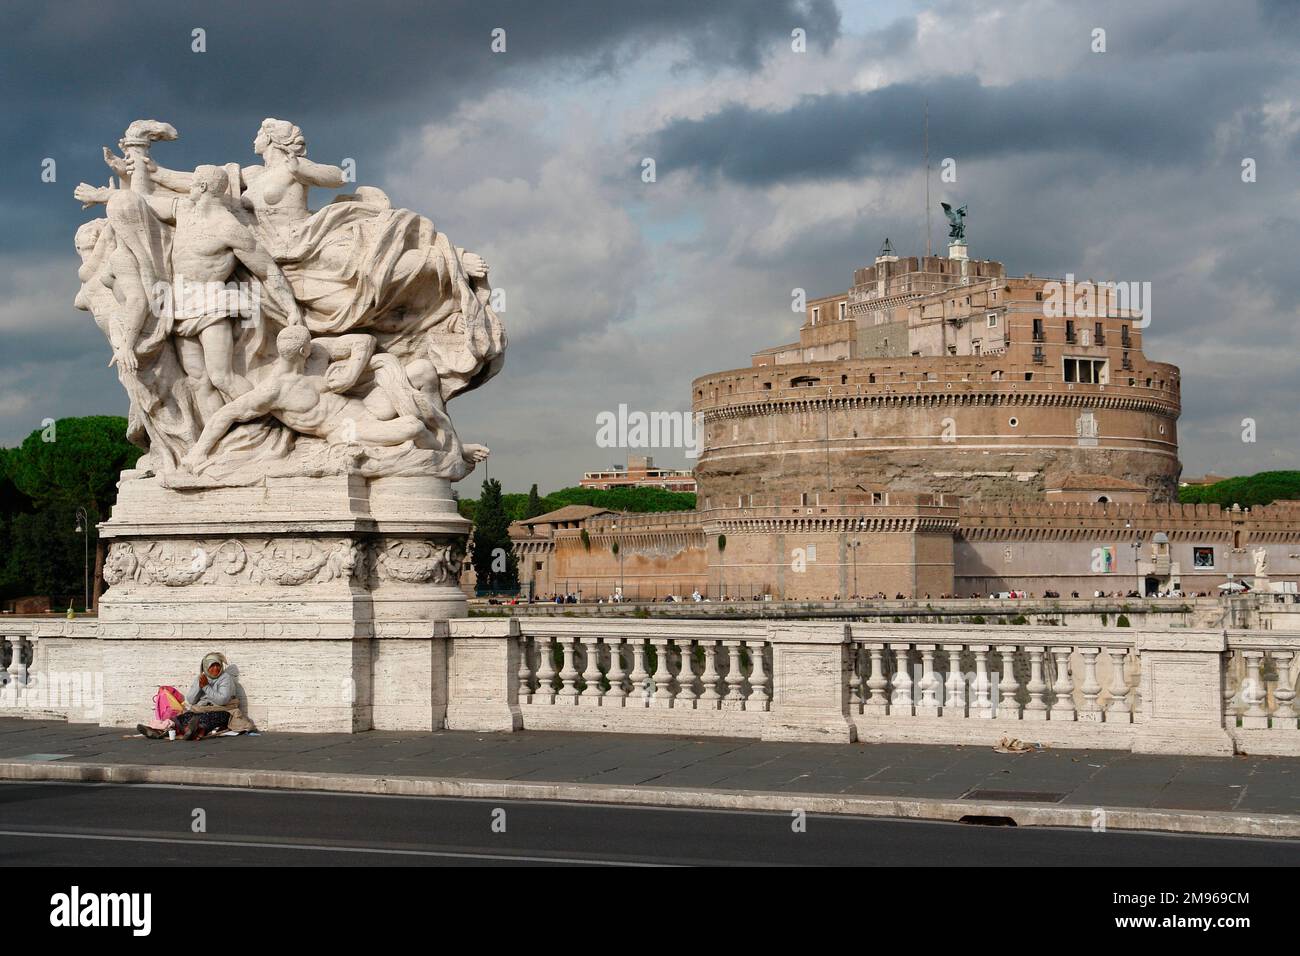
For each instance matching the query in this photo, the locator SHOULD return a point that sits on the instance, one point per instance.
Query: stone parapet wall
(1187, 691)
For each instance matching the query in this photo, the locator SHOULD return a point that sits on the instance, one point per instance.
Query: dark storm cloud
(1100, 113)
(353, 75)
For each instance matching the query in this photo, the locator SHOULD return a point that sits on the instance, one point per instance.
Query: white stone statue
(256, 337)
(1261, 562)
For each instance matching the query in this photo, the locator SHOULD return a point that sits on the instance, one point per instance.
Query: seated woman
(213, 687)
(211, 705)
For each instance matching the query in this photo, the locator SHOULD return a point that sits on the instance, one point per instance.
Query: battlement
(1170, 517)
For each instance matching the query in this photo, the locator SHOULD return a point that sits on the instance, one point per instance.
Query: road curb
(1218, 823)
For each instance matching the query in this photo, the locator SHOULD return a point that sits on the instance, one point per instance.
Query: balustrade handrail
(996, 634)
(1253, 639)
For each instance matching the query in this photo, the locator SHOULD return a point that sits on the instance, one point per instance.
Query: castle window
(1203, 558)
(993, 320)
(843, 310)
(1038, 296)
(871, 378)
(1029, 376)
(817, 314)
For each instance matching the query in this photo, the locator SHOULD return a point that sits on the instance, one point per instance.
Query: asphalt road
(115, 825)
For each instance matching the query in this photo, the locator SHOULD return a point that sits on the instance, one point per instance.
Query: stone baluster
(1284, 715)
(759, 697)
(1231, 686)
(954, 702)
(900, 704)
(545, 693)
(617, 693)
(855, 678)
(686, 695)
(735, 696)
(640, 676)
(1036, 709)
(17, 668)
(877, 703)
(663, 692)
(569, 672)
(591, 693)
(1063, 688)
(1119, 704)
(525, 672)
(710, 699)
(1008, 707)
(928, 705)
(1253, 693)
(983, 706)
(1091, 710)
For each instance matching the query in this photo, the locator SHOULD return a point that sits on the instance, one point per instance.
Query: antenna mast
(927, 176)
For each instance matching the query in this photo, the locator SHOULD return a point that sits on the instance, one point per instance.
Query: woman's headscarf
(211, 659)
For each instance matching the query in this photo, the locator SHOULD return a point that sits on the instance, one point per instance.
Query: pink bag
(168, 703)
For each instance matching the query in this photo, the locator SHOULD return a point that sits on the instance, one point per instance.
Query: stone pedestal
(328, 595)
(1182, 694)
(810, 673)
(483, 676)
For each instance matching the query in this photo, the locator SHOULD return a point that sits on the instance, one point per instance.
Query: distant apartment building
(640, 472)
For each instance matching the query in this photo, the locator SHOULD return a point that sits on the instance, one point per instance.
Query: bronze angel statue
(956, 222)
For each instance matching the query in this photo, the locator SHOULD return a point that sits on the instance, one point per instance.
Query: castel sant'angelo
(940, 428)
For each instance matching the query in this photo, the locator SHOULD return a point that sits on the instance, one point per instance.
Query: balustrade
(670, 682)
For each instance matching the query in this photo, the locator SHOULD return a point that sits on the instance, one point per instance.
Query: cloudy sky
(775, 169)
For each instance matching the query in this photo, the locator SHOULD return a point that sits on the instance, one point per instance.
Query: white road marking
(323, 848)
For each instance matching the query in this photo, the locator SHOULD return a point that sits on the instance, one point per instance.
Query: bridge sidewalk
(1243, 795)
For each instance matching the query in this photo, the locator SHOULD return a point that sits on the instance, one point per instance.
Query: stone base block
(329, 597)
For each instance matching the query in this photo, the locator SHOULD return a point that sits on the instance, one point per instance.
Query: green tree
(534, 507)
(1248, 490)
(495, 565)
(75, 463)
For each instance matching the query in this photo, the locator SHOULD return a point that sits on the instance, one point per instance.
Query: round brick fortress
(975, 426)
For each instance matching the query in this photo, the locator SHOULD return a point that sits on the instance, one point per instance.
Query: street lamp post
(1137, 571)
(855, 544)
(83, 526)
(619, 551)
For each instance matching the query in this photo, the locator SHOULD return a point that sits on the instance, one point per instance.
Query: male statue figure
(308, 398)
(208, 242)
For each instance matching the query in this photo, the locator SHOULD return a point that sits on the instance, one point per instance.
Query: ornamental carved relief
(284, 562)
(418, 561)
(277, 561)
